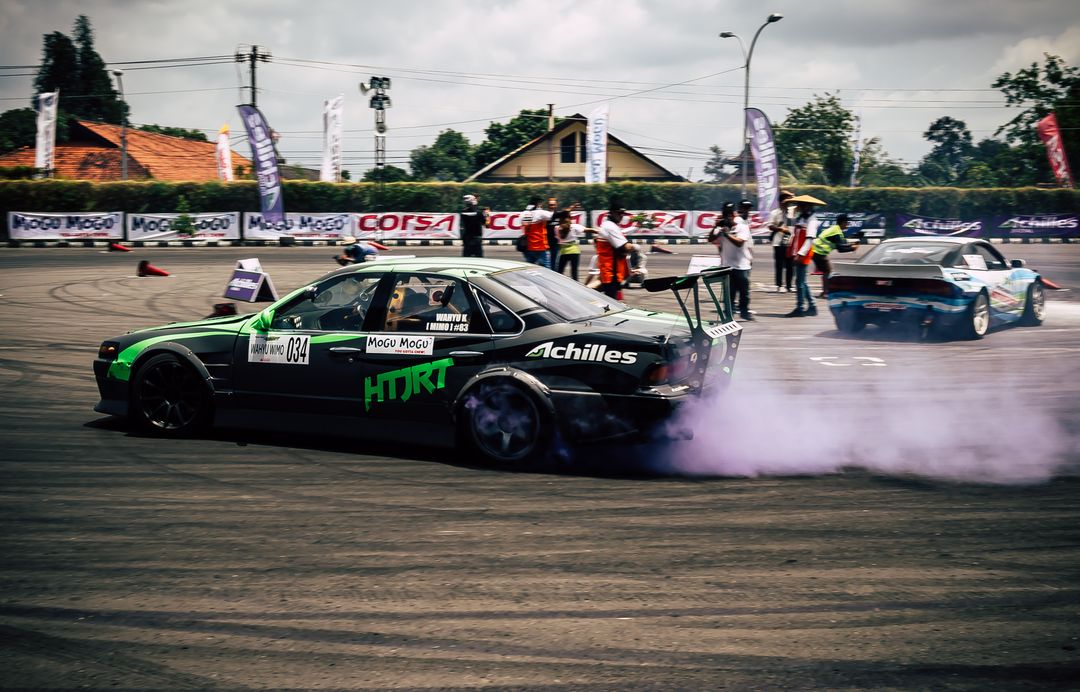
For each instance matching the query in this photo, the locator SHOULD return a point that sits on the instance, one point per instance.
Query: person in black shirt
(473, 221)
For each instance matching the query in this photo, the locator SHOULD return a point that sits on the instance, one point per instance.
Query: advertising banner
(870, 225)
(765, 166)
(651, 223)
(408, 226)
(300, 226)
(60, 226)
(507, 224)
(224, 155)
(1050, 135)
(596, 145)
(910, 224)
(333, 117)
(1036, 226)
(265, 157)
(44, 147)
(205, 226)
(704, 221)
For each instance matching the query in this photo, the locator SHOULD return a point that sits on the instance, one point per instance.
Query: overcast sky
(674, 86)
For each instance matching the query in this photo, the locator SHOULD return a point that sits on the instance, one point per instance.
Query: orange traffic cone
(117, 247)
(661, 248)
(1051, 285)
(377, 246)
(147, 269)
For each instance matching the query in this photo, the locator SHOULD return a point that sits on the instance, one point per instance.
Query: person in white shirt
(736, 251)
(611, 249)
(780, 227)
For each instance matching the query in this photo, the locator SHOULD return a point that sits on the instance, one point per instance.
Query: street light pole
(119, 74)
(747, 57)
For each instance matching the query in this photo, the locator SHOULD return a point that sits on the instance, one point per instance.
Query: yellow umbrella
(806, 199)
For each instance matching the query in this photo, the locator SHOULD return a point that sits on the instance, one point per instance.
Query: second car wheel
(505, 424)
(168, 397)
(1034, 306)
(977, 318)
(849, 322)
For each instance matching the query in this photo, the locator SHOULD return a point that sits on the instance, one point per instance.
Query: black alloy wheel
(169, 397)
(505, 424)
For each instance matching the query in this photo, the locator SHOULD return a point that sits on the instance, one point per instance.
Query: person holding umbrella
(801, 250)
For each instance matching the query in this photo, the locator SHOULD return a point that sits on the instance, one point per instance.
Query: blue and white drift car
(951, 285)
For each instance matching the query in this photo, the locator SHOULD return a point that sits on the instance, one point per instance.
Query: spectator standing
(553, 241)
(611, 249)
(473, 222)
(534, 227)
(569, 235)
(832, 238)
(780, 228)
(736, 251)
(804, 230)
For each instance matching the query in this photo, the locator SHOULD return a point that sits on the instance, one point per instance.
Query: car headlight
(108, 350)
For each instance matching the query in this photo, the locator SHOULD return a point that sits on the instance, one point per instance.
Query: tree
(449, 158)
(505, 138)
(75, 68)
(18, 128)
(717, 167)
(813, 144)
(197, 135)
(877, 169)
(389, 174)
(952, 151)
(1040, 90)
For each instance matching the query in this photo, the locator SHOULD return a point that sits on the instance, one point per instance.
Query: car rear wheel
(169, 397)
(505, 424)
(1034, 306)
(977, 318)
(849, 322)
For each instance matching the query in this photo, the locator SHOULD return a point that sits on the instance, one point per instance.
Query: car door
(305, 362)
(427, 339)
(1005, 294)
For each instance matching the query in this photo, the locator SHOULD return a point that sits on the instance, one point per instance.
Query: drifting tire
(976, 318)
(169, 398)
(849, 322)
(1034, 306)
(505, 424)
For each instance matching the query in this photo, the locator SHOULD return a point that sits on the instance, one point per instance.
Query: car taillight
(668, 372)
(108, 350)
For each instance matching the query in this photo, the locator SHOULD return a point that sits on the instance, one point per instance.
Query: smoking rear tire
(506, 425)
(1034, 306)
(169, 398)
(976, 319)
(849, 322)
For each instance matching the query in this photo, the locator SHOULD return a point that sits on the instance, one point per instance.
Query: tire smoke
(931, 425)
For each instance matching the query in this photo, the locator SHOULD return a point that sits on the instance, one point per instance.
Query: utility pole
(551, 146)
(119, 74)
(253, 57)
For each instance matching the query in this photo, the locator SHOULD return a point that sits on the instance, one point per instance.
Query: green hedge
(307, 196)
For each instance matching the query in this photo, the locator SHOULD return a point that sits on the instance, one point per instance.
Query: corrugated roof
(150, 155)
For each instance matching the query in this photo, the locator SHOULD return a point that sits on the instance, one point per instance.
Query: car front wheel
(977, 320)
(1034, 306)
(505, 424)
(169, 397)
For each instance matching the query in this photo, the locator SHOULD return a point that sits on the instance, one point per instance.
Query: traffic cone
(377, 246)
(661, 248)
(147, 269)
(117, 247)
(1051, 285)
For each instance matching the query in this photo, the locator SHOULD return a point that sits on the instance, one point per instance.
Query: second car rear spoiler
(888, 271)
(716, 283)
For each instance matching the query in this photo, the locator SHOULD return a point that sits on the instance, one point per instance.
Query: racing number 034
(288, 350)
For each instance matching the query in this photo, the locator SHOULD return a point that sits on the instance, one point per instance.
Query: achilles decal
(598, 353)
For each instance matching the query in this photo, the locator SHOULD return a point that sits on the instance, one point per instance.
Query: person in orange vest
(611, 251)
(534, 222)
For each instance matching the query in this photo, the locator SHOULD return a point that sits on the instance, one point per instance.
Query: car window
(431, 304)
(994, 260)
(910, 253)
(559, 294)
(502, 320)
(340, 303)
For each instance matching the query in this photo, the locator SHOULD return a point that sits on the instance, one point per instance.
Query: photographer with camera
(731, 235)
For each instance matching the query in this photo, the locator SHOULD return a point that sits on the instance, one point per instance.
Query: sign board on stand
(699, 263)
(250, 283)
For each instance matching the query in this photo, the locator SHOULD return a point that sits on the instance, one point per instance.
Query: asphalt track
(859, 512)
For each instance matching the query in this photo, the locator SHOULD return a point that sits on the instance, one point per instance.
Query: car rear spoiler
(888, 271)
(715, 280)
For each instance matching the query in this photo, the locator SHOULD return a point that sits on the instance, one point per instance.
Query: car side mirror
(263, 321)
(1017, 264)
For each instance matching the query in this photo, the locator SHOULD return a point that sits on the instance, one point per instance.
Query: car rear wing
(888, 271)
(717, 285)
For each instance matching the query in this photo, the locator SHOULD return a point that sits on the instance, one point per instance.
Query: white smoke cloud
(934, 425)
